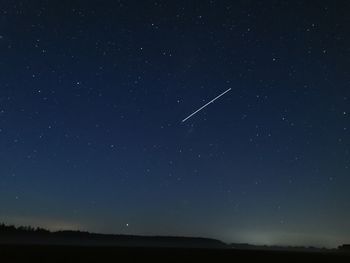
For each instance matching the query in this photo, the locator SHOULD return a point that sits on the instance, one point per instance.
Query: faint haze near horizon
(238, 235)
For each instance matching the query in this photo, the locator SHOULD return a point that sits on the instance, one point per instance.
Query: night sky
(92, 95)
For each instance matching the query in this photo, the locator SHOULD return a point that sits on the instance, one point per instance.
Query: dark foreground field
(56, 253)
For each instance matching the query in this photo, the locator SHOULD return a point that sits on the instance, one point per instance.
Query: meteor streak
(205, 105)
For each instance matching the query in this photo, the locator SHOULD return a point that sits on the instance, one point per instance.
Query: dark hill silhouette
(29, 235)
(345, 248)
(25, 243)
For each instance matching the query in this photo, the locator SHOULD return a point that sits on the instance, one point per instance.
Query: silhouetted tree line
(8, 230)
(38, 231)
(11, 229)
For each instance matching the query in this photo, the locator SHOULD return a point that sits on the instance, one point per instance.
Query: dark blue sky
(92, 94)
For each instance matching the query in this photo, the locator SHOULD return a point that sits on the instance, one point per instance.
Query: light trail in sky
(205, 105)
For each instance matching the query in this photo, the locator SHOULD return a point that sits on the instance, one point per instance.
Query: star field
(92, 94)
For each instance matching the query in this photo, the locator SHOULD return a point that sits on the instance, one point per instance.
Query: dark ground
(42, 253)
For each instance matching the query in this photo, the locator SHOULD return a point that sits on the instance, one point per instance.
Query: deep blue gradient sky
(92, 94)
